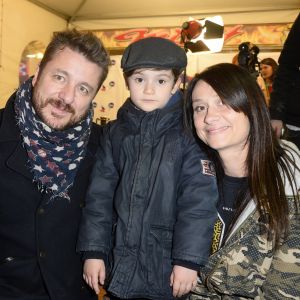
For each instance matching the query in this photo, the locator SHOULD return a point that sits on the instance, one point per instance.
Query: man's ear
(176, 86)
(34, 79)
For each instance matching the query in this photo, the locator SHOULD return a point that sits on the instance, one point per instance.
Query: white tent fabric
(87, 10)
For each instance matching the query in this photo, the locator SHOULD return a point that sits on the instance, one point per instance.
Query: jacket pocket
(20, 276)
(159, 260)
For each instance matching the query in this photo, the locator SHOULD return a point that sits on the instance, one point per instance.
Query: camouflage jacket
(248, 266)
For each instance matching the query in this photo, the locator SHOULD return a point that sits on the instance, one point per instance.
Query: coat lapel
(18, 161)
(9, 132)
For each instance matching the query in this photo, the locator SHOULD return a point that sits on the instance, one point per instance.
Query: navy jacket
(154, 189)
(38, 237)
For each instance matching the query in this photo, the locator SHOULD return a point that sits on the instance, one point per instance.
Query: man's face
(64, 89)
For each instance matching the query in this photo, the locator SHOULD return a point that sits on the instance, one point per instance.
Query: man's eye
(59, 77)
(84, 90)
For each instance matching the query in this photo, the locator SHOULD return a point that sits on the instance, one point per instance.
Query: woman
(268, 68)
(256, 244)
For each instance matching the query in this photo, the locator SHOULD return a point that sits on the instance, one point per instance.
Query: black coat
(164, 194)
(285, 98)
(38, 236)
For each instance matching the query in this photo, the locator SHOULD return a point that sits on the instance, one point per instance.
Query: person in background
(47, 149)
(152, 187)
(259, 79)
(284, 102)
(256, 243)
(268, 68)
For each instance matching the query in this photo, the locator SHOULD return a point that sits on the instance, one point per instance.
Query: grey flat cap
(153, 52)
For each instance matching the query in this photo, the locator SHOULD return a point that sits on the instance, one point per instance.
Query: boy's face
(151, 89)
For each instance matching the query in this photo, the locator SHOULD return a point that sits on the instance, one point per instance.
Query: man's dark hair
(85, 43)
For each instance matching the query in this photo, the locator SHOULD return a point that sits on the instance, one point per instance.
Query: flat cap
(153, 52)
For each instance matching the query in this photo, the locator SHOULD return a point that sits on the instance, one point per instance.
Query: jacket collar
(162, 119)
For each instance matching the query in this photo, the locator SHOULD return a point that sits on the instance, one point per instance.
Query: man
(285, 98)
(47, 147)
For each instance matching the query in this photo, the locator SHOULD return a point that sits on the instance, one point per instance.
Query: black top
(229, 189)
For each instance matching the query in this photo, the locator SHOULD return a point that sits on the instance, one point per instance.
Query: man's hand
(183, 280)
(277, 127)
(94, 273)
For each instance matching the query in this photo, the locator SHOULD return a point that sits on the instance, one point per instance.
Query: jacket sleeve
(283, 278)
(282, 87)
(97, 217)
(196, 206)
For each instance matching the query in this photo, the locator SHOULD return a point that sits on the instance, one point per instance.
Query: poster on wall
(111, 95)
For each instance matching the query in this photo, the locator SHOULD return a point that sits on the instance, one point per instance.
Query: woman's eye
(199, 108)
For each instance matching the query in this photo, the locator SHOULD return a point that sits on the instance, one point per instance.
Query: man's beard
(39, 103)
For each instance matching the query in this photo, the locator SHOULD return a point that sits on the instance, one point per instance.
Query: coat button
(41, 211)
(42, 254)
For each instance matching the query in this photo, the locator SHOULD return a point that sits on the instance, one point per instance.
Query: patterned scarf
(53, 156)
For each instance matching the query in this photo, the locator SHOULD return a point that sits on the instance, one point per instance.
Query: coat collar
(9, 130)
(159, 119)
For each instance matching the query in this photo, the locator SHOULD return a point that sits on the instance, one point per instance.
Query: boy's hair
(154, 52)
(85, 43)
(175, 72)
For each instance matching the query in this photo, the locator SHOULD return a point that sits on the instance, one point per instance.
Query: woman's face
(217, 124)
(266, 71)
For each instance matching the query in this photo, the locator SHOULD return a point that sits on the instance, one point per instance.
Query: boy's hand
(94, 273)
(183, 280)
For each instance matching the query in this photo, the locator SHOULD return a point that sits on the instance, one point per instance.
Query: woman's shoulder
(289, 145)
(293, 154)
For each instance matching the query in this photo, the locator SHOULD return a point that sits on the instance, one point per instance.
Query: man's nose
(67, 93)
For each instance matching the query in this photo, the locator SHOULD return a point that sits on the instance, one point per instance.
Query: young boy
(151, 205)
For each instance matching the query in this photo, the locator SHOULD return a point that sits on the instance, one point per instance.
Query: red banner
(264, 35)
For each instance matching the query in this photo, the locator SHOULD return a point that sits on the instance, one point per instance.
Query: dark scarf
(53, 156)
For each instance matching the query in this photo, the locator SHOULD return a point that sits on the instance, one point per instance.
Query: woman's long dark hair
(266, 158)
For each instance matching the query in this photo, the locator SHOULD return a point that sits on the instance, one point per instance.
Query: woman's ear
(176, 86)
